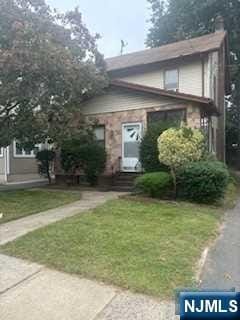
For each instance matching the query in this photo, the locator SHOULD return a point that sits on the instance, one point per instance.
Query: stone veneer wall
(113, 128)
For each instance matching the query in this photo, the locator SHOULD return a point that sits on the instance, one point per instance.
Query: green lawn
(18, 204)
(148, 247)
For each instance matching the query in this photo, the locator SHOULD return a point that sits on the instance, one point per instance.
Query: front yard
(149, 247)
(21, 203)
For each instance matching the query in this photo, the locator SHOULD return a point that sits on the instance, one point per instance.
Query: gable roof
(203, 44)
(207, 103)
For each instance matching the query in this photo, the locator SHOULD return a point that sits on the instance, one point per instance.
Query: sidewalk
(90, 200)
(222, 268)
(29, 291)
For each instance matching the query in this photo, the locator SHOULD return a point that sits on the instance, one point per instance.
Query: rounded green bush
(155, 185)
(203, 181)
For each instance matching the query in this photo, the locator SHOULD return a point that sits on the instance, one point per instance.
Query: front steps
(124, 181)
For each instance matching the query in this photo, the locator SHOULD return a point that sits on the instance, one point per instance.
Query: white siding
(190, 77)
(207, 77)
(152, 79)
(119, 100)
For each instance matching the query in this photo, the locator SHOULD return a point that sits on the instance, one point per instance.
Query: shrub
(155, 184)
(84, 153)
(177, 147)
(203, 181)
(45, 159)
(149, 155)
(93, 161)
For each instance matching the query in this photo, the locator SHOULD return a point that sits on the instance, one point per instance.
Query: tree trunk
(174, 183)
(49, 175)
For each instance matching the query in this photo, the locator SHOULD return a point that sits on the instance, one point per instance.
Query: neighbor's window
(18, 151)
(100, 135)
(171, 79)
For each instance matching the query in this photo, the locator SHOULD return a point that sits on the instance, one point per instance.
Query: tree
(45, 159)
(49, 63)
(84, 153)
(149, 155)
(183, 19)
(177, 147)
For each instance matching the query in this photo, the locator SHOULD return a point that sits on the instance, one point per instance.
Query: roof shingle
(175, 50)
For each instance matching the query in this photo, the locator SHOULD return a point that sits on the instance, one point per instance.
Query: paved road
(222, 269)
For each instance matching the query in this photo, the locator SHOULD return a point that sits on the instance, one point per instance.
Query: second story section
(196, 66)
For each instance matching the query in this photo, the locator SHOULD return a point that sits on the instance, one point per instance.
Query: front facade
(184, 81)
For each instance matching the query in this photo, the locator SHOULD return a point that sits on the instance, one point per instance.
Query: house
(18, 165)
(186, 80)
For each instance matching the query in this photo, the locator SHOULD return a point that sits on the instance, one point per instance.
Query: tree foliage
(49, 63)
(182, 19)
(149, 155)
(177, 147)
(45, 159)
(83, 153)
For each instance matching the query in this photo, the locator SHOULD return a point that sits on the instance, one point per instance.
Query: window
(100, 135)
(171, 80)
(21, 153)
(175, 116)
(1, 152)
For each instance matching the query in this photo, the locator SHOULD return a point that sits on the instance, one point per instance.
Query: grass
(147, 247)
(21, 203)
(231, 196)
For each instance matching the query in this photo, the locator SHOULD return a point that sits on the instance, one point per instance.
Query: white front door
(131, 139)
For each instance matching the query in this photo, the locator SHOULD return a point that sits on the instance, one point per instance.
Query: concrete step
(122, 188)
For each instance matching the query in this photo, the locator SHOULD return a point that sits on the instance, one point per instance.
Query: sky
(113, 20)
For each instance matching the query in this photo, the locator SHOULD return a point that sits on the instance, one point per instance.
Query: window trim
(164, 79)
(23, 155)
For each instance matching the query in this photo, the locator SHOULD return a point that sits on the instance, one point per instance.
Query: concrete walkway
(222, 268)
(23, 185)
(90, 199)
(29, 291)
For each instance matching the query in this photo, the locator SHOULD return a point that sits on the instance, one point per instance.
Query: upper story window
(19, 152)
(100, 135)
(171, 79)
